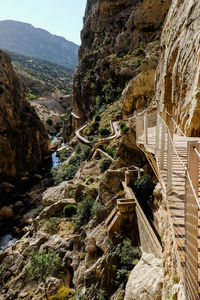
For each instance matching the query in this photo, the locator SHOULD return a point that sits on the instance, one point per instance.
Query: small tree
(42, 265)
(105, 164)
(83, 213)
(49, 121)
(104, 131)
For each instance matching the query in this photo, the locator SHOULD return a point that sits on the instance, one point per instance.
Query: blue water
(6, 241)
(55, 159)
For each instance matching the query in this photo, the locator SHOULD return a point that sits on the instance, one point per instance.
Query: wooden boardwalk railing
(175, 160)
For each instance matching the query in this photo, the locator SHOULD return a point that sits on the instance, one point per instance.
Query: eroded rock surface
(114, 38)
(145, 281)
(178, 75)
(23, 139)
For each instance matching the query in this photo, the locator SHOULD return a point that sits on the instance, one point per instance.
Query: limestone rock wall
(178, 74)
(23, 139)
(115, 36)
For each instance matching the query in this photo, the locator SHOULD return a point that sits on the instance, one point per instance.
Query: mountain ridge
(26, 39)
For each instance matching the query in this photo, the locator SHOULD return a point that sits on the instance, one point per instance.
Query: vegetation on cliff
(42, 77)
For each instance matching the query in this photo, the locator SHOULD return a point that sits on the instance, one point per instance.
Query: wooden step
(126, 205)
(114, 224)
(111, 216)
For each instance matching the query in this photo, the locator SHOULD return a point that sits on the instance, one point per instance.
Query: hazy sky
(61, 17)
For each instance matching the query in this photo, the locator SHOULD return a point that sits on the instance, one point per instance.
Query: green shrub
(142, 182)
(109, 91)
(125, 255)
(83, 212)
(140, 50)
(96, 208)
(72, 193)
(93, 292)
(137, 61)
(64, 172)
(69, 210)
(99, 102)
(123, 127)
(105, 164)
(95, 125)
(63, 154)
(78, 148)
(51, 225)
(93, 140)
(41, 265)
(104, 131)
(75, 160)
(110, 150)
(36, 211)
(97, 118)
(32, 97)
(85, 152)
(68, 171)
(49, 121)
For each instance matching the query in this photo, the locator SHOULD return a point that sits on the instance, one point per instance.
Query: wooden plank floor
(176, 200)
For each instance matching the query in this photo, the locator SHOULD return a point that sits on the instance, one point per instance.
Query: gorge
(117, 218)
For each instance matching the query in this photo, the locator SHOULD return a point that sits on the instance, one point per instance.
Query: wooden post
(157, 132)
(191, 222)
(169, 156)
(145, 130)
(163, 141)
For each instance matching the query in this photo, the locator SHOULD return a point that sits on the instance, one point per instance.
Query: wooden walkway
(176, 199)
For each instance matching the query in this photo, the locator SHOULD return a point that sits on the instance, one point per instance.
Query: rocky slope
(178, 72)
(23, 139)
(116, 46)
(54, 112)
(41, 77)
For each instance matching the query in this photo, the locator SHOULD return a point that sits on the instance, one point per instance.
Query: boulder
(6, 212)
(139, 90)
(146, 279)
(37, 177)
(53, 194)
(111, 184)
(55, 145)
(7, 187)
(55, 207)
(19, 204)
(39, 239)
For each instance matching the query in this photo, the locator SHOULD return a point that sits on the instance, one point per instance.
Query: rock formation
(23, 139)
(177, 85)
(114, 38)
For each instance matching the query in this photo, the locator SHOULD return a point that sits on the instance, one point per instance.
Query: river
(7, 239)
(55, 159)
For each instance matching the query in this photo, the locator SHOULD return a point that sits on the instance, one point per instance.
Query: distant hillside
(25, 39)
(42, 77)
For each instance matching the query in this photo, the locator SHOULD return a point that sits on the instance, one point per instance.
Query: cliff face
(115, 36)
(23, 139)
(178, 75)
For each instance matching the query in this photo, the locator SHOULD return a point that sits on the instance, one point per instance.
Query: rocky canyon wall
(120, 39)
(23, 139)
(178, 74)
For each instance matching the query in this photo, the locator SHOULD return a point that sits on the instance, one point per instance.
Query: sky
(60, 17)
